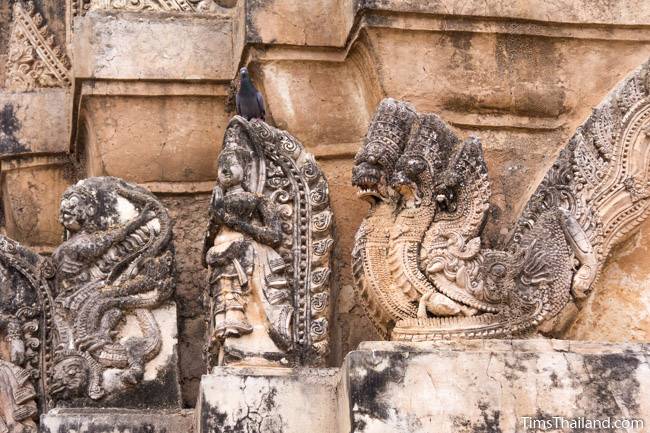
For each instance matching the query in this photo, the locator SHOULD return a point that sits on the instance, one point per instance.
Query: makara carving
(268, 249)
(34, 58)
(420, 268)
(117, 261)
(95, 294)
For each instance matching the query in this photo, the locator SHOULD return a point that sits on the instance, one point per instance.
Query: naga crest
(420, 269)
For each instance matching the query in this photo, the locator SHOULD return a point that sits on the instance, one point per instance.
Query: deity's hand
(69, 266)
(17, 351)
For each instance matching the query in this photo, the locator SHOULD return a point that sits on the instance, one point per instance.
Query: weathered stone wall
(619, 308)
(522, 76)
(190, 220)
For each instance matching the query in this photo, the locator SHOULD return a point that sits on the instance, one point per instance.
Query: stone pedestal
(122, 421)
(267, 400)
(493, 385)
(442, 387)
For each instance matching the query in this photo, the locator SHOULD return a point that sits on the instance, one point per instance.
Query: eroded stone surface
(447, 387)
(34, 122)
(267, 400)
(522, 74)
(31, 191)
(112, 324)
(116, 421)
(144, 46)
(491, 386)
(419, 262)
(268, 247)
(34, 59)
(21, 326)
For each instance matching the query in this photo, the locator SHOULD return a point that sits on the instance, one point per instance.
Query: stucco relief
(268, 249)
(429, 194)
(35, 60)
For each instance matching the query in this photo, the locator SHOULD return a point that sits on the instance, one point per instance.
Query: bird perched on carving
(249, 101)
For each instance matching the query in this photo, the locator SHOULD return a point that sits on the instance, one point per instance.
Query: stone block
(442, 387)
(492, 385)
(155, 46)
(34, 122)
(144, 136)
(116, 421)
(32, 186)
(152, 137)
(267, 400)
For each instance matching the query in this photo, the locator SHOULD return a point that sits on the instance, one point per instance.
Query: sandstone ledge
(472, 386)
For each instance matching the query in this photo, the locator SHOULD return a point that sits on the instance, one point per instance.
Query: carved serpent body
(372, 278)
(592, 197)
(132, 272)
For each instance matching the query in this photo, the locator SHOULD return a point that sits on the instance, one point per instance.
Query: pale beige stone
(42, 119)
(128, 45)
(522, 74)
(268, 400)
(106, 420)
(447, 387)
(31, 191)
(491, 385)
(619, 309)
(152, 139)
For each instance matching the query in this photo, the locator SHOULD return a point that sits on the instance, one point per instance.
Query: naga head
(385, 141)
(426, 158)
(406, 178)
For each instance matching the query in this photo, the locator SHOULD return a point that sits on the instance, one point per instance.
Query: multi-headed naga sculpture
(420, 269)
(268, 249)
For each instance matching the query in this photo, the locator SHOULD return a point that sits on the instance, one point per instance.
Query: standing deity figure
(267, 245)
(421, 269)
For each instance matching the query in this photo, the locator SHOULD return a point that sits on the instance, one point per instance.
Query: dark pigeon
(250, 102)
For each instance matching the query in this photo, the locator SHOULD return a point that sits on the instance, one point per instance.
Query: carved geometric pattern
(34, 58)
(151, 5)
